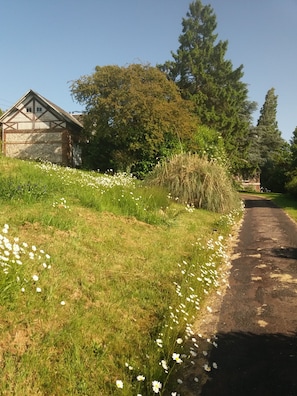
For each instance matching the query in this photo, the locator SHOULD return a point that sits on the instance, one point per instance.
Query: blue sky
(47, 44)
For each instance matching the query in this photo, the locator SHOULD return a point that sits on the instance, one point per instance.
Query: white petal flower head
(35, 278)
(119, 384)
(164, 365)
(176, 357)
(157, 386)
(5, 229)
(38, 289)
(179, 341)
(140, 378)
(207, 367)
(62, 303)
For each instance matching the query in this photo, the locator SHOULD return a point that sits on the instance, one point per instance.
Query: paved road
(257, 319)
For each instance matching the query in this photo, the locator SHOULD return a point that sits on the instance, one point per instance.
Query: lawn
(102, 279)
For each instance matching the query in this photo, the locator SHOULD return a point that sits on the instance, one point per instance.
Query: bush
(196, 181)
(291, 186)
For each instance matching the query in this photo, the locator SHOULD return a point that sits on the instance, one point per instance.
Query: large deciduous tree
(134, 115)
(204, 76)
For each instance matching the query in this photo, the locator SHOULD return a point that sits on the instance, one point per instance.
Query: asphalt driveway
(255, 321)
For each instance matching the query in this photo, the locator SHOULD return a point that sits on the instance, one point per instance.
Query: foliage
(291, 186)
(209, 143)
(134, 116)
(293, 149)
(269, 136)
(90, 290)
(273, 151)
(196, 182)
(276, 171)
(204, 76)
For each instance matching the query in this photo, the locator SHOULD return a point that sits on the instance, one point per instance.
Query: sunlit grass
(119, 266)
(286, 202)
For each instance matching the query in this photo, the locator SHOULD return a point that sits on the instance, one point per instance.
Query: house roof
(62, 113)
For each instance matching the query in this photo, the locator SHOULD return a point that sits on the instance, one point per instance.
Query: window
(29, 109)
(38, 109)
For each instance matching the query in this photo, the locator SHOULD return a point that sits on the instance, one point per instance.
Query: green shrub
(195, 181)
(291, 186)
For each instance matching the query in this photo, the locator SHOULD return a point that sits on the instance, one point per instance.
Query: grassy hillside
(101, 280)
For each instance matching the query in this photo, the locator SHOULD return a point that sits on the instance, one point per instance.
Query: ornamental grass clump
(197, 182)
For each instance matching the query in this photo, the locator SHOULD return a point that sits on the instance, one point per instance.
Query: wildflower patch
(24, 268)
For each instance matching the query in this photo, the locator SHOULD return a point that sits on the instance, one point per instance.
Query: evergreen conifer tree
(273, 148)
(293, 149)
(204, 76)
(269, 136)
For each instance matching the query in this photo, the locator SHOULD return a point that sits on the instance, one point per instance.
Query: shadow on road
(253, 365)
(259, 203)
(256, 353)
(285, 252)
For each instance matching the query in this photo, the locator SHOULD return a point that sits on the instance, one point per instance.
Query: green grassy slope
(95, 269)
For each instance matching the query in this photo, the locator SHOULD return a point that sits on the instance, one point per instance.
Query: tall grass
(94, 273)
(197, 182)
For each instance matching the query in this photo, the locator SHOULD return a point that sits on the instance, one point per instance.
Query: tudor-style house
(35, 128)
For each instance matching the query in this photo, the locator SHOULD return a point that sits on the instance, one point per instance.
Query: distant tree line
(196, 102)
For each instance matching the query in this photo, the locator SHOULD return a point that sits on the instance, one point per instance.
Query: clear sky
(47, 44)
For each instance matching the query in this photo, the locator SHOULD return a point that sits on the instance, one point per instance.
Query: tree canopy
(273, 152)
(204, 76)
(269, 136)
(293, 149)
(134, 115)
